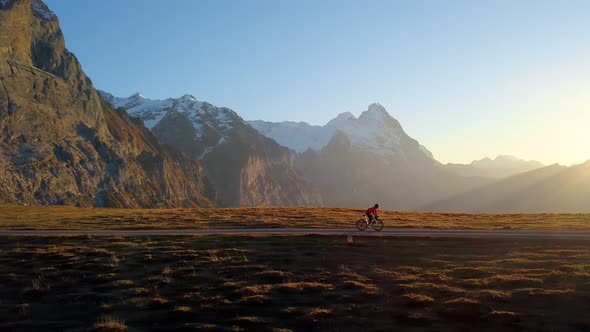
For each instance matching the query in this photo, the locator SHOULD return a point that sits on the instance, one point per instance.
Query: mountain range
(245, 167)
(545, 190)
(375, 130)
(500, 167)
(64, 142)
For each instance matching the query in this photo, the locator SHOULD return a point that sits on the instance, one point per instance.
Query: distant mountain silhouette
(550, 189)
(501, 167)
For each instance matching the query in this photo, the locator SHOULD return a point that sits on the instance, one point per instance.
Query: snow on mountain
(373, 130)
(204, 117)
(341, 120)
(41, 10)
(298, 136)
(244, 167)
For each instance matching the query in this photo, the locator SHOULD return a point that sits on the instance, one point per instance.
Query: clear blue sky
(468, 79)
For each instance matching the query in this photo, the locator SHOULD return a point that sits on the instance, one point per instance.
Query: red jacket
(373, 211)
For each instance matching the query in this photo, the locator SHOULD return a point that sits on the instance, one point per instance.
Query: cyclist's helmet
(377, 205)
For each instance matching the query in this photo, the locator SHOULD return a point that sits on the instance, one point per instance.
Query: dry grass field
(301, 283)
(61, 217)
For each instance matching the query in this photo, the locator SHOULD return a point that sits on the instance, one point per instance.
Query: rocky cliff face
(249, 169)
(245, 167)
(60, 143)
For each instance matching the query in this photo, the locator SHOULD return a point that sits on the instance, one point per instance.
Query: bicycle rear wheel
(361, 224)
(377, 225)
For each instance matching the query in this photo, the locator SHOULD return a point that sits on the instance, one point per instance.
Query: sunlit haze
(255, 165)
(468, 79)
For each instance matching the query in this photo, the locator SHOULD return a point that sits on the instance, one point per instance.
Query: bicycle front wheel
(361, 224)
(377, 225)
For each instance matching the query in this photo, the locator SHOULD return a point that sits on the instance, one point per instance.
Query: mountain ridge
(60, 143)
(551, 189)
(375, 129)
(501, 167)
(245, 167)
(63, 142)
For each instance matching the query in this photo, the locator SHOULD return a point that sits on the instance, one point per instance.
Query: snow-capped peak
(375, 112)
(136, 95)
(204, 117)
(376, 107)
(375, 130)
(345, 116)
(188, 97)
(341, 120)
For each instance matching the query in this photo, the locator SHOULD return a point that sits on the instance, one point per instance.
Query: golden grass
(182, 309)
(349, 239)
(462, 300)
(250, 319)
(114, 261)
(502, 314)
(256, 289)
(37, 284)
(492, 294)
(368, 288)
(158, 300)
(295, 283)
(64, 217)
(167, 271)
(123, 283)
(304, 286)
(110, 323)
(255, 299)
(319, 312)
(434, 288)
(421, 299)
(141, 291)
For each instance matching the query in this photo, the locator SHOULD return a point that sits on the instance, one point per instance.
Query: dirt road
(393, 232)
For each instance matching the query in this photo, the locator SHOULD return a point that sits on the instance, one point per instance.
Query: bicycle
(364, 223)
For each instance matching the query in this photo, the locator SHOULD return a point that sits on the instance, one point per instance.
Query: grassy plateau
(303, 283)
(289, 283)
(62, 217)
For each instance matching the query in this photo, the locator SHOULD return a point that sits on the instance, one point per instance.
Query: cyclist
(372, 213)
